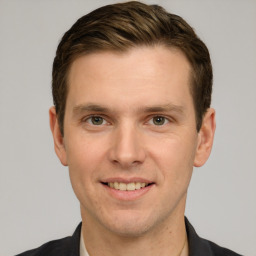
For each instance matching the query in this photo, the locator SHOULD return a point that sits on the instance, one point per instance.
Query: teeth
(116, 185)
(130, 186)
(122, 186)
(138, 185)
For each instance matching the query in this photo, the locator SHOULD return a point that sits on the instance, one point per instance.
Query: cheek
(84, 158)
(174, 158)
(83, 152)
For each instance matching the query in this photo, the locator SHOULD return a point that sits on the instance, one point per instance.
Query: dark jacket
(69, 246)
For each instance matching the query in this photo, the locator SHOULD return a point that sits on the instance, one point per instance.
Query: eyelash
(150, 120)
(86, 120)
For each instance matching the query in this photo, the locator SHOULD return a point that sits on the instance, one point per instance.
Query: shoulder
(67, 246)
(201, 247)
(220, 251)
(56, 247)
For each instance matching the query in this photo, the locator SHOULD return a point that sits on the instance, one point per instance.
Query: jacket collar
(75, 241)
(197, 245)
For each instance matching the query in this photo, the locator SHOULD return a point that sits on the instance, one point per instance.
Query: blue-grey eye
(96, 120)
(159, 120)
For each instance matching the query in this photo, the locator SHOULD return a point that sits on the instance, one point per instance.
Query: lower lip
(128, 195)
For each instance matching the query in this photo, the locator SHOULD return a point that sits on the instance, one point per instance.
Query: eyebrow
(79, 109)
(89, 107)
(164, 108)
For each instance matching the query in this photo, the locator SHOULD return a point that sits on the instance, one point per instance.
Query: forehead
(149, 56)
(141, 74)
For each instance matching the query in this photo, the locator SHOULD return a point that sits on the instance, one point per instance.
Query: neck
(169, 238)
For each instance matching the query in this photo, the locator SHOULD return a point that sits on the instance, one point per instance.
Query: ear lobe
(205, 138)
(58, 139)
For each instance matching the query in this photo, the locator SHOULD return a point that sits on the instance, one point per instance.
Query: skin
(129, 92)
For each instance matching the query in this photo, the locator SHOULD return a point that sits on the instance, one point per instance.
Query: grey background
(37, 203)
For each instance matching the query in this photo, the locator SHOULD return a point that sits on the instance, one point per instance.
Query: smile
(127, 187)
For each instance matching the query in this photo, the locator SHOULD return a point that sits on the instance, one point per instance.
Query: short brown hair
(120, 27)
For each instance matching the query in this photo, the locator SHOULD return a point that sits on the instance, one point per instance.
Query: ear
(205, 138)
(58, 139)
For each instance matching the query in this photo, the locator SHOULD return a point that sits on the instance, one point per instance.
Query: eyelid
(85, 119)
(167, 120)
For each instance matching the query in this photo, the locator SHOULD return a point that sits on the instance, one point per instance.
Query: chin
(130, 225)
(129, 230)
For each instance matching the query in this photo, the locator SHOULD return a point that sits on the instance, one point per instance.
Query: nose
(127, 147)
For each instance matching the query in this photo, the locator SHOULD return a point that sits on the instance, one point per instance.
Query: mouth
(132, 186)
(127, 190)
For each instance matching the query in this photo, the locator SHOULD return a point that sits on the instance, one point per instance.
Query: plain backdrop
(37, 203)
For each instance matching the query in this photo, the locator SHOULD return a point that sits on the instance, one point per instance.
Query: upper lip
(127, 180)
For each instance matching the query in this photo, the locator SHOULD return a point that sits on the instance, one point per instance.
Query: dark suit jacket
(70, 246)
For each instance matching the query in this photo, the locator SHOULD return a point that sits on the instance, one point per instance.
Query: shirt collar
(83, 251)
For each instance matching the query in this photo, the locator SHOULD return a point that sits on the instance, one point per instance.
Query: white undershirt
(83, 251)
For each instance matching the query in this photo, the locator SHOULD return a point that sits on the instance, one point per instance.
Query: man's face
(130, 123)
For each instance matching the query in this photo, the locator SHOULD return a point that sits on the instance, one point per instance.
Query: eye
(158, 120)
(96, 120)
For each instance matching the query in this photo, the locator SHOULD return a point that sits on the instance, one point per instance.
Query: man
(132, 91)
